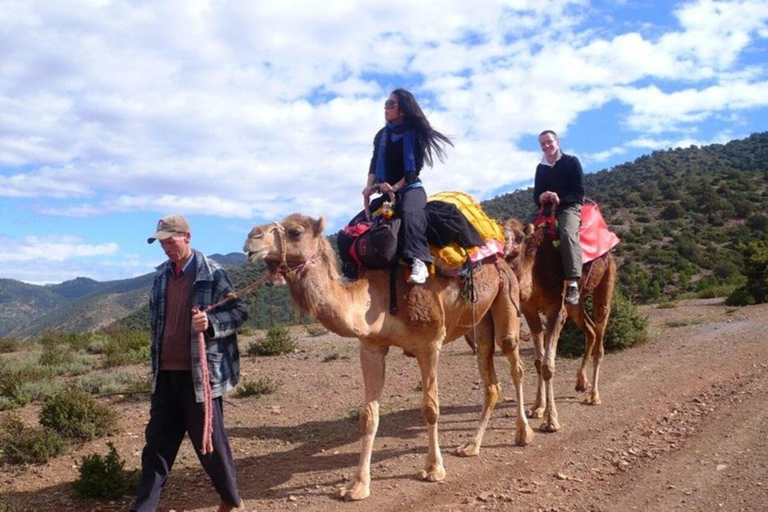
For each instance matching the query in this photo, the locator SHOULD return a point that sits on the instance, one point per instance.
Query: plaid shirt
(211, 285)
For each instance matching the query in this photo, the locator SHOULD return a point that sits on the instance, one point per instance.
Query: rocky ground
(683, 426)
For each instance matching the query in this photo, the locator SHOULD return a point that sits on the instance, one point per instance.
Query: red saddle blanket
(594, 235)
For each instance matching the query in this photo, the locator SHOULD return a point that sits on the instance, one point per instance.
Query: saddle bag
(370, 245)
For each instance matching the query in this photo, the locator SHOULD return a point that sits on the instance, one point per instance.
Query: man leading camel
(560, 181)
(187, 386)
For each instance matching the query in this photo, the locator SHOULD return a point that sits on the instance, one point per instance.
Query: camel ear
(319, 226)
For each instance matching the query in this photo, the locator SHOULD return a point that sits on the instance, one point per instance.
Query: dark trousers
(413, 230)
(173, 413)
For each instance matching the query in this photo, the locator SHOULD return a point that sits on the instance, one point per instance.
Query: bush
(8, 345)
(626, 327)
(113, 382)
(105, 477)
(316, 330)
(76, 341)
(56, 354)
(125, 347)
(22, 445)
(75, 414)
(275, 343)
(21, 380)
(755, 291)
(263, 386)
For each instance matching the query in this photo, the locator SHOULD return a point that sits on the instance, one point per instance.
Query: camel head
(289, 244)
(518, 254)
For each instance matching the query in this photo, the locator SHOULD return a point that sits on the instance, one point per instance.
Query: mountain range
(684, 216)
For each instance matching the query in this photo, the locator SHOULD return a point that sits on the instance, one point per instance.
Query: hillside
(79, 305)
(682, 214)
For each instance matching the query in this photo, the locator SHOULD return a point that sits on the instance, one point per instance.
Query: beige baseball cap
(169, 226)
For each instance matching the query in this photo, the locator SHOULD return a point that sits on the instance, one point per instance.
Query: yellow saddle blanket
(453, 256)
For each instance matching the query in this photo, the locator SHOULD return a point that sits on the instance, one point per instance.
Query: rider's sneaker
(572, 294)
(419, 272)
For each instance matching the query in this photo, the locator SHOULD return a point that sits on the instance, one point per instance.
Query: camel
(428, 316)
(539, 269)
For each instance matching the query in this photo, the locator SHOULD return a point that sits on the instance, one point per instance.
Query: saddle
(595, 237)
(459, 232)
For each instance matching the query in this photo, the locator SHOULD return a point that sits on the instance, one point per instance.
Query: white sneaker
(419, 272)
(572, 294)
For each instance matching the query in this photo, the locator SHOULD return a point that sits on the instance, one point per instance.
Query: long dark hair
(428, 139)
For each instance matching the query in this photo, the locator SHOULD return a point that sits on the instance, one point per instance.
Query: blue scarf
(396, 131)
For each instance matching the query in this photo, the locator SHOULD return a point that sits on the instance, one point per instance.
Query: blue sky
(236, 113)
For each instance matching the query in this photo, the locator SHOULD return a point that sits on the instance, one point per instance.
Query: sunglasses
(390, 104)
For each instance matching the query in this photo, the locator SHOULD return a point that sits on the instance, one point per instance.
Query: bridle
(283, 269)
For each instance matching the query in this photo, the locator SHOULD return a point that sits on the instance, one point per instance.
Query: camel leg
(372, 360)
(483, 343)
(537, 335)
(509, 342)
(434, 470)
(579, 316)
(555, 321)
(601, 300)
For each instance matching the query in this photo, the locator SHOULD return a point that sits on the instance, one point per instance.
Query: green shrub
(22, 445)
(112, 382)
(76, 341)
(75, 414)
(263, 386)
(626, 327)
(125, 347)
(105, 477)
(8, 345)
(333, 356)
(56, 354)
(316, 330)
(276, 342)
(22, 380)
(755, 291)
(5, 506)
(714, 291)
(740, 297)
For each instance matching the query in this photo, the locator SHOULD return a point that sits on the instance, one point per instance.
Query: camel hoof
(534, 413)
(432, 475)
(467, 450)
(354, 491)
(581, 387)
(524, 436)
(549, 427)
(593, 399)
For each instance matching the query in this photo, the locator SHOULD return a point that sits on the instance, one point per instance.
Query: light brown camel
(428, 316)
(539, 269)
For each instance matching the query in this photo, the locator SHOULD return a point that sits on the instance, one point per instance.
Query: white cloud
(252, 110)
(53, 249)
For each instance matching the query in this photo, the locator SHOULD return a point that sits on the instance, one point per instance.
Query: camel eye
(295, 233)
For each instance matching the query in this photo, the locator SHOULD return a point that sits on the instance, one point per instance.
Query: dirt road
(683, 426)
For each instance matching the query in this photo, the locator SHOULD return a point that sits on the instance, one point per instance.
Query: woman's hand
(367, 191)
(386, 188)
